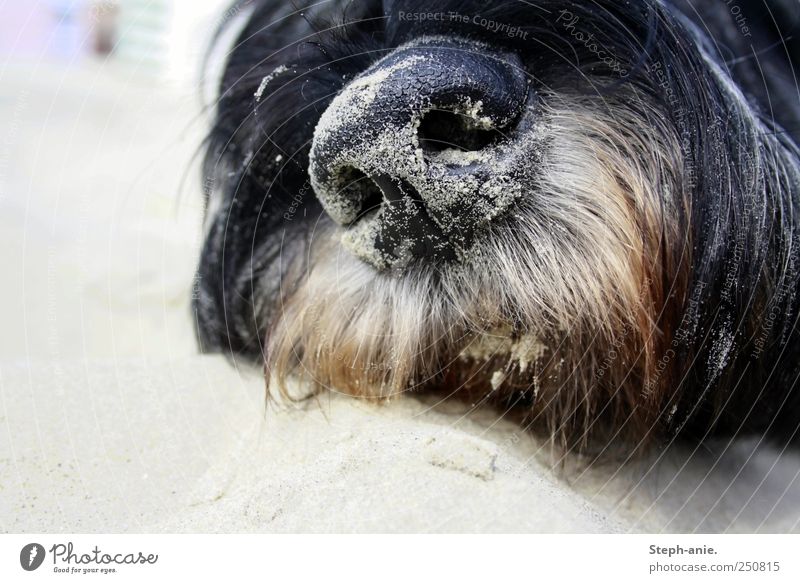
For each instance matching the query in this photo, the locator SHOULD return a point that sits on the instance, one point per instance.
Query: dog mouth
(418, 154)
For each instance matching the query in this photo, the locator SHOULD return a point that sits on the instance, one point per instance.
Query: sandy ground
(110, 421)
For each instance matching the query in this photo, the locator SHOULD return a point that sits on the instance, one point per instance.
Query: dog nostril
(371, 203)
(359, 190)
(443, 129)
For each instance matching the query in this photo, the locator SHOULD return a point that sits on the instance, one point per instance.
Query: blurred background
(107, 414)
(103, 108)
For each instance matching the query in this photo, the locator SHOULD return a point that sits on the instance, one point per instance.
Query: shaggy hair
(645, 285)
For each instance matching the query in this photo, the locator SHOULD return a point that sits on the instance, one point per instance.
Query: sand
(186, 446)
(110, 421)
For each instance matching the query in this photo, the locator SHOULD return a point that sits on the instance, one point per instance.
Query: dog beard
(552, 310)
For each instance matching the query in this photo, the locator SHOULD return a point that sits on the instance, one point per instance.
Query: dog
(583, 213)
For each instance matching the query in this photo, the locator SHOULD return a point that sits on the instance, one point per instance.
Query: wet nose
(409, 157)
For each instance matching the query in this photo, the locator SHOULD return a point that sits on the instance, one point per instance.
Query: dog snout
(406, 156)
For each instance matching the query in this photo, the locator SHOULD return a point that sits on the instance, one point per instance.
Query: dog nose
(413, 156)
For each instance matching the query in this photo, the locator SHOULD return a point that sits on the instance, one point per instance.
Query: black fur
(741, 232)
